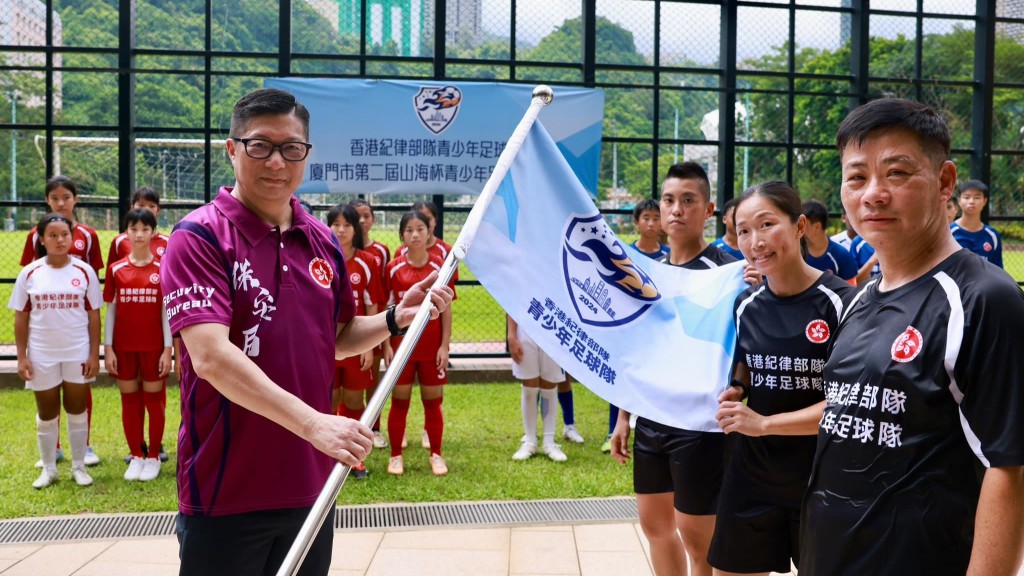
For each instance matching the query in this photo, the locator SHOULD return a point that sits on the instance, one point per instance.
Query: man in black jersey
(918, 467)
(677, 473)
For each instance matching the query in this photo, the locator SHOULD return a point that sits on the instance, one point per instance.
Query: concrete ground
(613, 549)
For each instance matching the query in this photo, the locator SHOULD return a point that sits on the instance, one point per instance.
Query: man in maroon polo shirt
(258, 291)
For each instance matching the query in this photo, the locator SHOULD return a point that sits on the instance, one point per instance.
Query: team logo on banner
(437, 106)
(606, 287)
(817, 331)
(321, 272)
(907, 345)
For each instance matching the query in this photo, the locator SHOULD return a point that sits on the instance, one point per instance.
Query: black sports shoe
(360, 472)
(128, 457)
(163, 455)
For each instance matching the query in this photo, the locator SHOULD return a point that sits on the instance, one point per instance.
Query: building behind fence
(124, 93)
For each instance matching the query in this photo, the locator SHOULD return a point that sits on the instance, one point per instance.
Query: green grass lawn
(482, 430)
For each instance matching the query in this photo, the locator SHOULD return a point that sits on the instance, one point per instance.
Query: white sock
(529, 404)
(548, 400)
(47, 432)
(78, 435)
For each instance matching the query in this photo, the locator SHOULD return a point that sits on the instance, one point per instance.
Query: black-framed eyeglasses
(260, 149)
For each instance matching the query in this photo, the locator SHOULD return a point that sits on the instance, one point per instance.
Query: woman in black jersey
(783, 327)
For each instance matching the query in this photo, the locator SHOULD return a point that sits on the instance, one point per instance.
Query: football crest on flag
(606, 287)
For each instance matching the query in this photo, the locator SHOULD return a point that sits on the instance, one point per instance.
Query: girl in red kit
(121, 245)
(352, 376)
(428, 363)
(137, 342)
(383, 254)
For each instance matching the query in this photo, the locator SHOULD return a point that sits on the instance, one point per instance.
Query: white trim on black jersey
(709, 262)
(833, 297)
(856, 299)
(954, 340)
(743, 305)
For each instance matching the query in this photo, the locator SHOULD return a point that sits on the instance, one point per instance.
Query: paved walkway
(571, 550)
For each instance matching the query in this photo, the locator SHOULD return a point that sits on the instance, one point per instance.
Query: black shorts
(754, 536)
(688, 464)
(249, 544)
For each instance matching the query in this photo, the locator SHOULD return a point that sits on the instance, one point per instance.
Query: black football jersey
(925, 389)
(783, 341)
(710, 257)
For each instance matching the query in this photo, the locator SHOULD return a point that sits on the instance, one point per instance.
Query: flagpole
(542, 96)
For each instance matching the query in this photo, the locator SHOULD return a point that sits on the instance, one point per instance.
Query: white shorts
(535, 362)
(48, 375)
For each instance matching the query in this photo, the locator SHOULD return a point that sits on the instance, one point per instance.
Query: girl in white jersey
(56, 300)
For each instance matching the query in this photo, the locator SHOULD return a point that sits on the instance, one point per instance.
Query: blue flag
(654, 339)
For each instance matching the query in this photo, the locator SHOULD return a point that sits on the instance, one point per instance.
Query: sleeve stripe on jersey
(954, 340)
(366, 269)
(833, 259)
(397, 268)
(118, 267)
(743, 306)
(856, 299)
(995, 238)
(207, 235)
(708, 261)
(836, 300)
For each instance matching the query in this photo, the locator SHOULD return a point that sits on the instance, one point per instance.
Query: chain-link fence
(80, 78)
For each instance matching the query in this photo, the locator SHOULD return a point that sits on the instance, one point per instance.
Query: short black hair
(729, 205)
(427, 205)
(145, 193)
(60, 181)
(816, 211)
(46, 220)
(139, 215)
(645, 204)
(931, 130)
(266, 102)
(973, 185)
(691, 171)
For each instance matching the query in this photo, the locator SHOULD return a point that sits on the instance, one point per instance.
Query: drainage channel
(376, 516)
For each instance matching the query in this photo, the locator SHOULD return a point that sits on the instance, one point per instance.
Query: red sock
(355, 414)
(88, 412)
(163, 394)
(155, 407)
(131, 420)
(396, 424)
(433, 422)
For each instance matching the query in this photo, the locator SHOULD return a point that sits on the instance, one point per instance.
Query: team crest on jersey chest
(321, 272)
(154, 278)
(817, 331)
(354, 278)
(907, 345)
(80, 244)
(987, 246)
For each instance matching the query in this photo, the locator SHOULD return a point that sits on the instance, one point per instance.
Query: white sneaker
(91, 459)
(60, 457)
(425, 441)
(150, 469)
(46, 477)
(570, 434)
(81, 477)
(554, 451)
(526, 450)
(379, 441)
(134, 468)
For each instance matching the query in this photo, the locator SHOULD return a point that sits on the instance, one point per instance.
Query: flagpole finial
(544, 92)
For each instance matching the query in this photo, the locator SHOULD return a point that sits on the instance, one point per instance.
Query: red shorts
(130, 363)
(347, 375)
(424, 371)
